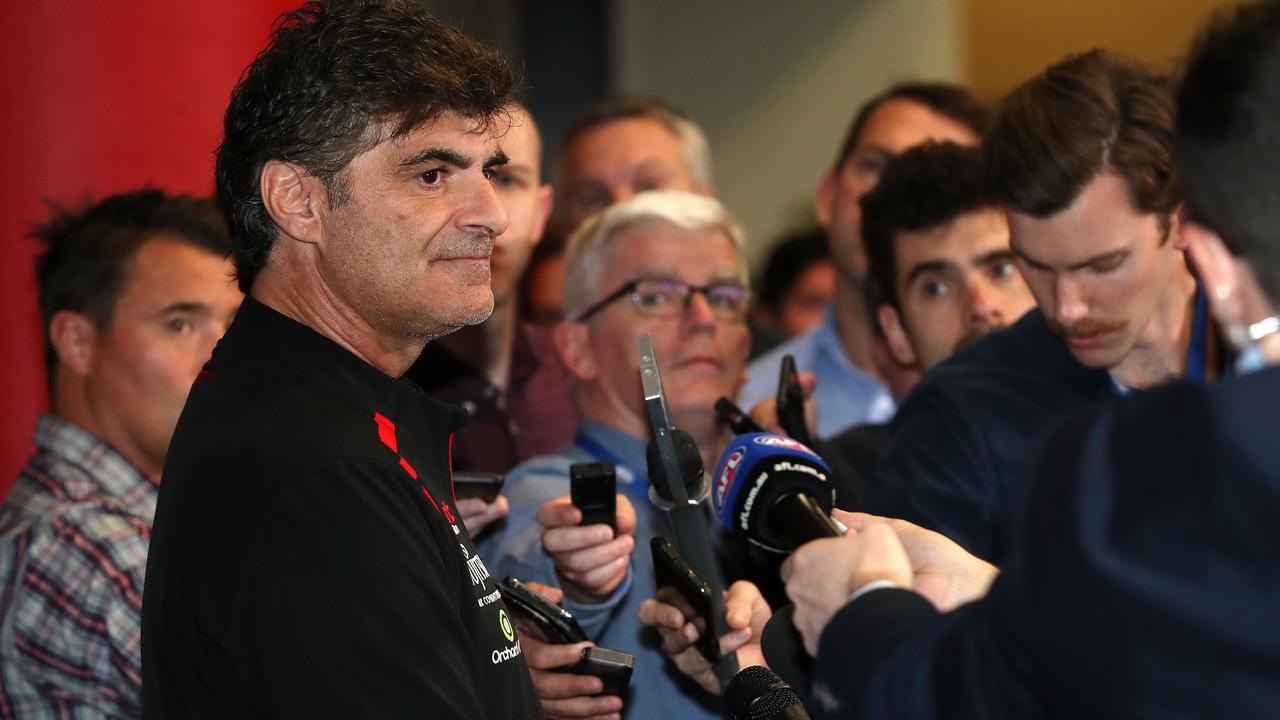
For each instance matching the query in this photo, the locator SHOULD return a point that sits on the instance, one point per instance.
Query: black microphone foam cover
(688, 457)
(757, 693)
(783, 649)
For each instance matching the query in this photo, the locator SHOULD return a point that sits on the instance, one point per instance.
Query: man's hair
(788, 260)
(589, 247)
(950, 101)
(1227, 153)
(87, 253)
(693, 142)
(924, 188)
(336, 80)
(1091, 113)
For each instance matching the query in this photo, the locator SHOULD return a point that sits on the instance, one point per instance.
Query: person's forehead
(657, 245)
(1100, 220)
(520, 141)
(625, 140)
(165, 269)
(899, 123)
(448, 130)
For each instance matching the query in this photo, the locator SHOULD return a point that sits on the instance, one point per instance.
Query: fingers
(557, 513)
(854, 520)
(605, 707)
(626, 518)
(551, 593)
(808, 381)
(660, 615)
(546, 656)
(477, 514)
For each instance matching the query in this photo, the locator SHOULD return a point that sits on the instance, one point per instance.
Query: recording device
(484, 486)
(594, 490)
(611, 666)
(556, 623)
(733, 416)
(680, 587)
(791, 402)
(757, 693)
(673, 470)
(774, 491)
(783, 648)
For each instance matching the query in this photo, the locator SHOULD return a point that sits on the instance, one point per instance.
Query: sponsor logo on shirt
(504, 622)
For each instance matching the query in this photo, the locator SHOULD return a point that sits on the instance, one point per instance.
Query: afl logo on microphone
(781, 442)
(725, 481)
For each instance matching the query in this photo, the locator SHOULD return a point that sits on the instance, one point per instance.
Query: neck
(488, 347)
(853, 324)
(1160, 354)
(73, 402)
(305, 298)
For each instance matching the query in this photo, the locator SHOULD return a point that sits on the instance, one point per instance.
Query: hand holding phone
(680, 587)
(593, 487)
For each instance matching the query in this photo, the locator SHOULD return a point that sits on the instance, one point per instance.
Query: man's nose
(1070, 299)
(483, 211)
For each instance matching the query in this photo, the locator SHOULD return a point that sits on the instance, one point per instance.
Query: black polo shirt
(306, 560)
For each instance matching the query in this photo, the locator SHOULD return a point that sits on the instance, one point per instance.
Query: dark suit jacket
(1144, 580)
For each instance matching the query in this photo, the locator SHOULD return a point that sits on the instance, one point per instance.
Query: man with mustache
(669, 264)
(1081, 159)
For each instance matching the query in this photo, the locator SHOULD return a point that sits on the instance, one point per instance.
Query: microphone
(757, 693)
(692, 474)
(775, 492)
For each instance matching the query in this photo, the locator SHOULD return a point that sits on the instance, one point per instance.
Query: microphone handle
(692, 539)
(799, 518)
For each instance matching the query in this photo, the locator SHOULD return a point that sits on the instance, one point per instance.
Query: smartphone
(739, 422)
(484, 486)
(791, 402)
(556, 623)
(682, 588)
(594, 490)
(613, 667)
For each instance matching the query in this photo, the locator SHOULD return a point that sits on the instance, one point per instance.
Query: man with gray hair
(669, 264)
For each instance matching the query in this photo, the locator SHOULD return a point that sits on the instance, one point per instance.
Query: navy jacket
(1143, 582)
(964, 436)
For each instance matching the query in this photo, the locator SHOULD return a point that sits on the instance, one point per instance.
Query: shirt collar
(113, 476)
(626, 449)
(827, 340)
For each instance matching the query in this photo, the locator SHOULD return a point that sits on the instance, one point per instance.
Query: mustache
(464, 245)
(1088, 326)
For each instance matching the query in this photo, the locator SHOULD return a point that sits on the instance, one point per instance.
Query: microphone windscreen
(753, 472)
(784, 650)
(689, 460)
(756, 693)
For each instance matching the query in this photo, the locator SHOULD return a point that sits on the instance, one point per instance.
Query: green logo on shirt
(505, 623)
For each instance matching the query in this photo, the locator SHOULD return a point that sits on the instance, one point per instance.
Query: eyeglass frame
(629, 287)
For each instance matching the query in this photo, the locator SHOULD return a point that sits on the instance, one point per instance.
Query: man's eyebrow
(498, 159)
(192, 308)
(928, 266)
(1001, 255)
(1100, 258)
(437, 154)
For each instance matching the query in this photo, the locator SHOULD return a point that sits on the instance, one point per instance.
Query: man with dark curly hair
(307, 558)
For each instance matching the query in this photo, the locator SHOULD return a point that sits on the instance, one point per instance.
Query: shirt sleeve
(351, 605)
(78, 610)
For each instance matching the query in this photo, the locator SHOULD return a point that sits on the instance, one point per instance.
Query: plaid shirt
(74, 532)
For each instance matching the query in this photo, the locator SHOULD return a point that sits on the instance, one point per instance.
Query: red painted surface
(101, 97)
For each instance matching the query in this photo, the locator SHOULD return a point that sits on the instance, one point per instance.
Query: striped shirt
(74, 532)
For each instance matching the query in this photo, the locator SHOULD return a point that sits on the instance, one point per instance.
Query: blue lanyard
(1198, 351)
(634, 490)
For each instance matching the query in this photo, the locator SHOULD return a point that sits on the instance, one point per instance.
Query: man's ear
(573, 343)
(546, 197)
(824, 197)
(895, 335)
(73, 336)
(293, 199)
(1177, 228)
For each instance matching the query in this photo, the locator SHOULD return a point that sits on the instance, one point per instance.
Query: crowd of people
(1034, 341)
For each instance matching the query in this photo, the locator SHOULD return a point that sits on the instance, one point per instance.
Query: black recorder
(682, 588)
(594, 490)
(559, 628)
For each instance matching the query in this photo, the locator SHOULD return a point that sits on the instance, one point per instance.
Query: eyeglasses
(667, 298)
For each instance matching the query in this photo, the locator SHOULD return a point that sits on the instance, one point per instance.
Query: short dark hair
(1090, 113)
(1227, 149)
(787, 261)
(946, 99)
(331, 73)
(923, 188)
(693, 142)
(87, 252)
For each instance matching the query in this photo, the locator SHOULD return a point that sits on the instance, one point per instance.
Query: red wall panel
(101, 97)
